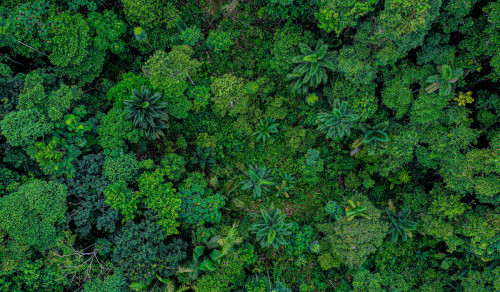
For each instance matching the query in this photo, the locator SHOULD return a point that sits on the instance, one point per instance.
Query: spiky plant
(339, 122)
(265, 129)
(270, 228)
(204, 157)
(259, 180)
(399, 224)
(373, 137)
(355, 209)
(312, 67)
(147, 112)
(443, 80)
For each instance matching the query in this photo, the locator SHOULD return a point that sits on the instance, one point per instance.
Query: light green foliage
(482, 281)
(229, 95)
(167, 73)
(397, 95)
(161, 197)
(351, 241)
(123, 167)
(151, 13)
(339, 122)
(285, 47)
(326, 261)
(123, 199)
(55, 105)
(22, 128)
(364, 281)
(33, 94)
(147, 112)
(71, 43)
(58, 102)
(173, 166)
(123, 90)
(191, 35)
(30, 215)
(219, 40)
(360, 98)
(200, 97)
(312, 69)
(270, 227)
(115, 130)
(259, 180)
(338, 15)
(311, 166)
(111, 283)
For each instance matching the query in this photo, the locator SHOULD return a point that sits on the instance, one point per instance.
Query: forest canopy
(250, 145)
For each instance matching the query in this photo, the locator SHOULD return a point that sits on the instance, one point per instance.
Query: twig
(31, 48)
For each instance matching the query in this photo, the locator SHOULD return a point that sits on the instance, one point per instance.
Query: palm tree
(372, 137)
(399, 224)
(444, 80)
(147, 112)
(339, 122)
(270, 228)
(265, 129)
(259, 180)
(311, 71)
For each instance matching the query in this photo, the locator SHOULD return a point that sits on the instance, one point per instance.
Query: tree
(265, 129)
(22, 128)
(351, 241)
(200, 205)
(339, 15)
(147, 112)
(162, 198)
(339, 122)
(115, 130)
(123, 199)
(168, 73)
(30, 214)
(230, 95)
(259, 180)
(399, 224)
(443, 81)
(151, 13)
(311, 71)
(270, 228)
(123, 167)
(142, 257)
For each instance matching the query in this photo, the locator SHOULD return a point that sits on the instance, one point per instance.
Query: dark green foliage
(173, 166)
(128, 125)
(204, 157)
(89, 210)
(147, 112)
(142, 252)
(339, 122)
(259, 180)
(334, 210)
(270, 227)
(312, 69)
